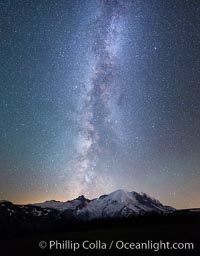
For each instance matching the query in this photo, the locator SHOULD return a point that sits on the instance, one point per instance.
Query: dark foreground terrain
(181, 227)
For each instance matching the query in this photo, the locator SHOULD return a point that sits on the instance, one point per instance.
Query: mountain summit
(119, 203)
(50, 215)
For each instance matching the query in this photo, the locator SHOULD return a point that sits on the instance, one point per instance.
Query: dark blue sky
(98, 95)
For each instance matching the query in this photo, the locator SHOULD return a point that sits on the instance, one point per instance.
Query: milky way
(100, 94)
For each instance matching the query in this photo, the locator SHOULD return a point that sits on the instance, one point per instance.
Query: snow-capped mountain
(117, 204)
(74, 204)
(121, 203)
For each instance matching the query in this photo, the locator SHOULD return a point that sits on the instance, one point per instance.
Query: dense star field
(98, 95)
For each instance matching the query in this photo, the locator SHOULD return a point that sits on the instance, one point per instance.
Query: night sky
(98, 95)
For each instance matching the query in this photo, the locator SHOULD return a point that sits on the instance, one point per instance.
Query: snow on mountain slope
(121, 203)
(24, 211)
(79, 202)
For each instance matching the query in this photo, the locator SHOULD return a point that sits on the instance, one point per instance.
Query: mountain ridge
(73, 214)
(119, 203)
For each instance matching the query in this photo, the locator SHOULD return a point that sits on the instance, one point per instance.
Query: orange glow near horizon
(179, 204)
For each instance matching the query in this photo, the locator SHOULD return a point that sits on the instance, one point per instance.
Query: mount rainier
(117, 204)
